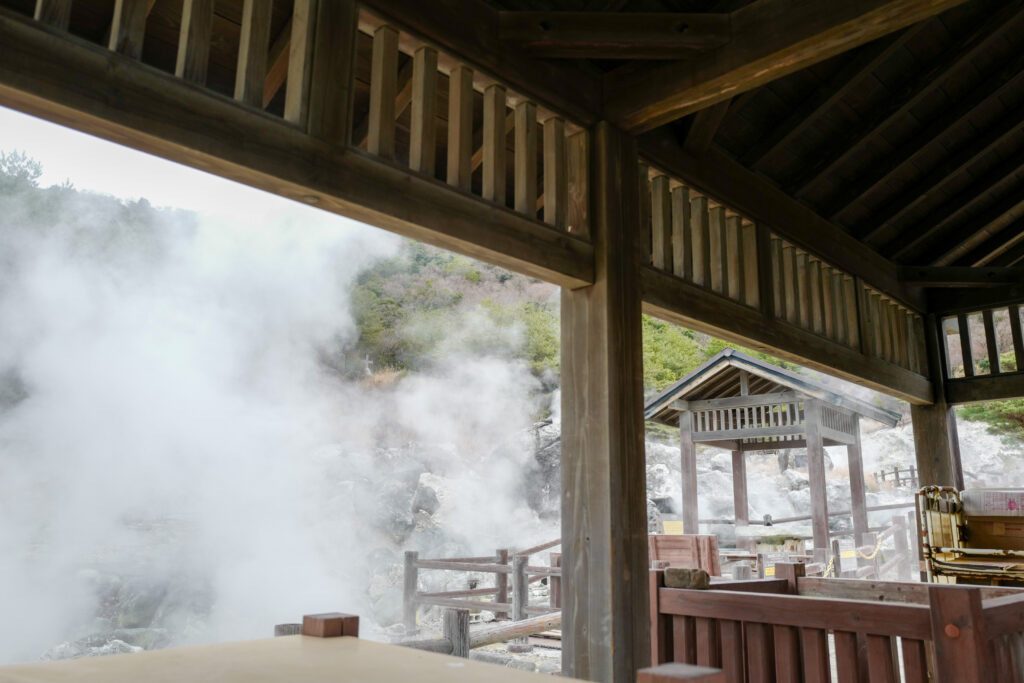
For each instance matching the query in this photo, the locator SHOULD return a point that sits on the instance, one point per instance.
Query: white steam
(166, 413)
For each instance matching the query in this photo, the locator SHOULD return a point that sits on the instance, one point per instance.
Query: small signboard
(673, 527)
(766, 563)
(847, 560)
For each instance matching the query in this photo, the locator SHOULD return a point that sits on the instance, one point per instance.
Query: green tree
(18, 171)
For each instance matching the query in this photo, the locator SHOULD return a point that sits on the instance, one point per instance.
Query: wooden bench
(784, 629)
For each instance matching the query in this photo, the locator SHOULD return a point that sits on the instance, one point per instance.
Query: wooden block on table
(674, 671)
(330, 625)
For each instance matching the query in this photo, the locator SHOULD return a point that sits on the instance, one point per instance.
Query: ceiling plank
(959, 276)
(976, 230)
(704, 126)
(954, 57)
(991, 251)
(770, 38)
(742, 190)
(827, 96)
(612, 35)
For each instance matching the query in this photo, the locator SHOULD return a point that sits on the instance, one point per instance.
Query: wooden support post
(803, 293)
(814, 295)
(460, 130)
(777, 273)
(194, 40)
(792, 572)
(409, 588)
(494, 185)
(901, 541)
(936, 443)
(853, 312)
(716, 247)
(734, 275)
(300, 62)
(423, 117)
(128, 28)
(1018, 337)
(380, 138)
(556, 189)
(578, 169)
(789, 288)
(739, 488)
(965, 344)
(455, 629)
(751, 277)
(990, 342)
(816, 473)
(688, 470)
(604, 521)
(55, 13)
(520, 600)
(526, 159)
(828, 302)
(555, 582)
(699, 240)
(643, 177)
(331, 81)
(958, 635)
(858, 499)
(682, 244)
(661, 224)
(253, 47)
(501, 581)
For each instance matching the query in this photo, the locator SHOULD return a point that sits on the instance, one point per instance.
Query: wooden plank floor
(295, 659)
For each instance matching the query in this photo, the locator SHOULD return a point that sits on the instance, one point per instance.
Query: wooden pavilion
(744, 404)
(837, 183)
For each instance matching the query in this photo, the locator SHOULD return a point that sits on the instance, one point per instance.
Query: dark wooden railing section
(796, 628)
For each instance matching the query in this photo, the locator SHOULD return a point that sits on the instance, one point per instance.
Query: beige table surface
(286, 659)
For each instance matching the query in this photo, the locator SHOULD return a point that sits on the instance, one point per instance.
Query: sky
(67, 154)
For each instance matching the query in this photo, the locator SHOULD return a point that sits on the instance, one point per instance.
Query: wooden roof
(720, 377)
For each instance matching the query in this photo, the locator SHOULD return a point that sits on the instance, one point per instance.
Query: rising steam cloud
(166, 412)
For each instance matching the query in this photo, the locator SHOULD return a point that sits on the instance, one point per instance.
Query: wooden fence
(796, 628)
(512, 575)
(899, 477)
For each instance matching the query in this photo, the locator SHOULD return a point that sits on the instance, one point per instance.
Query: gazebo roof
(720, 377)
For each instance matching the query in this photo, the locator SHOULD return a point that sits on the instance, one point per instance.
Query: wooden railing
(507, 569)
(795, 628)
(959, 332)
(518, 155)
(899, 477)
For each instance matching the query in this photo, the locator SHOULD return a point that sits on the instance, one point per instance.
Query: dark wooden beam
(613, 35)
(744, 191)
(67, 80)
(953, 58)
(678, 301)
(770, 38)
(927, 239)
(985, 388)
(827, 95)
(1013, 255)
(703, 127)
(469, 30)
(951, 301)
(960, 276)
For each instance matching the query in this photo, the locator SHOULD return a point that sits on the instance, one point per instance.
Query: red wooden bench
(786, 628)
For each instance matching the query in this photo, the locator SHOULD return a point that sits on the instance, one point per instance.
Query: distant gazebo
(744, 404)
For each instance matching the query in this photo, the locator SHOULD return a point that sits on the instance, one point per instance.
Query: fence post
(902, 547)
(958, 634)
(409, 591)
(501, 581)
(456, 631)
(896, 474)
(555, 582)
(520, 599)
(792, 572)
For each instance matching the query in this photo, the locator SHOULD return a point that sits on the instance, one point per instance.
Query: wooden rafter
(613, 35)
(938, 221)
(1012, 255)
(703, 127)
(770, 38)
(993, 251)
(824, 97)
(883, 223)
(277, 63)
(1005, 210)
(915, 92)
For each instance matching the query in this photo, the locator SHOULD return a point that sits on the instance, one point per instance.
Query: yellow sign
(673, 527)
(769, 571)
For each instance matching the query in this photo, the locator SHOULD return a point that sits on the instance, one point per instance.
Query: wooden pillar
(605, 607)
(739, 488)
(688, 470)
(858, 501)
(936, 443)
(816, 473)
